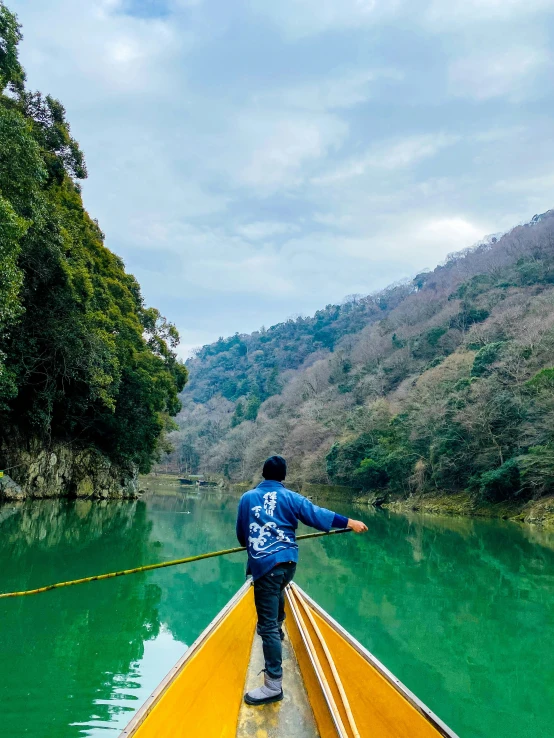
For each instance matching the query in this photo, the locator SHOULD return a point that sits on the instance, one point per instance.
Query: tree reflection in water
(64, 654)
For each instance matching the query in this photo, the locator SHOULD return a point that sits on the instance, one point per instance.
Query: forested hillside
(445, 382)
(83, 362)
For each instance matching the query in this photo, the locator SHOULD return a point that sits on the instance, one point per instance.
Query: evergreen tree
(82, 359)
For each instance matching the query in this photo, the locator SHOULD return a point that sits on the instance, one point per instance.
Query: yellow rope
(149, 567)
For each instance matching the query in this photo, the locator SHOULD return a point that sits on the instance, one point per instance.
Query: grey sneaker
(270, 692)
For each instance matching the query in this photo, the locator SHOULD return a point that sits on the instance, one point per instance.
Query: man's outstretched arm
(323, 519)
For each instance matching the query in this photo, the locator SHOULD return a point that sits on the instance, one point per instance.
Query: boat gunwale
(325, 689)
(420, 706)
(151, 701)
(331, 662)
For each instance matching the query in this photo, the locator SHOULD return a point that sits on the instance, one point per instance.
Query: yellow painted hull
(350, 694)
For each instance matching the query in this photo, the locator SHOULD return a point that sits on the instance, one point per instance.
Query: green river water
(461, 610)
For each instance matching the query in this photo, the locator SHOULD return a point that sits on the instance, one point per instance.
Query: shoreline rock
(65, 471)
(535, 512)
(10, 490)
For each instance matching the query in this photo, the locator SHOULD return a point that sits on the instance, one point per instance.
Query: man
(266, 524)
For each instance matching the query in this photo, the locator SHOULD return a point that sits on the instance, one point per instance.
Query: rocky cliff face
(64, 471)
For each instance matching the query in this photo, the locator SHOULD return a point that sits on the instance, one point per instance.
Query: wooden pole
(150, 567)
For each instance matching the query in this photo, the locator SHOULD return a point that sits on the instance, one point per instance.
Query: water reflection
(459, 609)
(64, 654)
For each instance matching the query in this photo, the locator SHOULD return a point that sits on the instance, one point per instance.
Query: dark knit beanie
(275, 468)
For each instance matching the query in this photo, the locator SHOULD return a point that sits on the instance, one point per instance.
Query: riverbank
(537, 512)
(314, 492)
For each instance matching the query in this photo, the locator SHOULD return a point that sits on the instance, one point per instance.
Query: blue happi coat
(267, 520)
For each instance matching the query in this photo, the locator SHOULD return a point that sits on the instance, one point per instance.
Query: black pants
(269, 596)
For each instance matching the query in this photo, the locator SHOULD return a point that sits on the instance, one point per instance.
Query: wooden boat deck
(334, 688)
(290, 718)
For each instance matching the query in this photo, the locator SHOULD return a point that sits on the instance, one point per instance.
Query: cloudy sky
(256, 159)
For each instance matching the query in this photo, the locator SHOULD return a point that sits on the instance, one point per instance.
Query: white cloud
(414, 243)
(185, 3)
(534, 194)
(442, 15)
(260, 273)
(499, 134)
(278, 148)
(386, 251)
(108, 52)
(544, 182)
(299, 18)
(456, 232)
(197, 261)
(261, 230)
(282, 133)
(390, 155)
(332, 92)
(201, 259)
(489, 74)
(409, 151)
(124, 51)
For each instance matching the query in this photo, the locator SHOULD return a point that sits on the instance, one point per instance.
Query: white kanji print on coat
(265, 537)
(270, 502)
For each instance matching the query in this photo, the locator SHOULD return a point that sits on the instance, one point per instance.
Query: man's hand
(357, 526)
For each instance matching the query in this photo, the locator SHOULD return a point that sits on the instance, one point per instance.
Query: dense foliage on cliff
(445, 382)
(249, 366)
(82, 359)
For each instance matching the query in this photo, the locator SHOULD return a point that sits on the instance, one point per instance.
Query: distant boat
(333, 686)
(198, 481)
